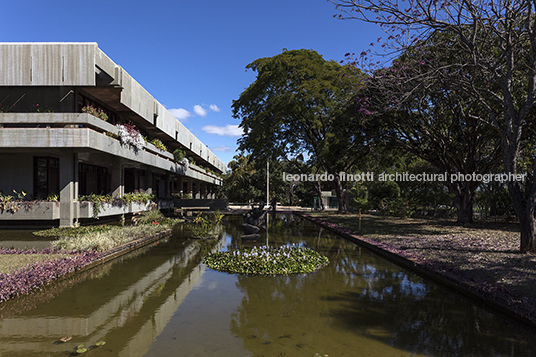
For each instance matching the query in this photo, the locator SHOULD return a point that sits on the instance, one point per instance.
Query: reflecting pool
(163, 301)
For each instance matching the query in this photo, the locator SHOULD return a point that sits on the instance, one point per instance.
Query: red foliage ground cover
(36, 275)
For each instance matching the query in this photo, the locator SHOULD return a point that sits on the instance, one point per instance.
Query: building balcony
(21, 132)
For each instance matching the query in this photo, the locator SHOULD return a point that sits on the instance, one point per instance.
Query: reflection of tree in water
(360, 302)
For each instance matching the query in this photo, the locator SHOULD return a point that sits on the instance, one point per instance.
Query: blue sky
(191, 55)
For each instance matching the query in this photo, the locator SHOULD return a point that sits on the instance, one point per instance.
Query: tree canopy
(499, 39)
(301, 104)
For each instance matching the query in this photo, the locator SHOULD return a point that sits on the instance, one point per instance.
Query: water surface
(163, 301)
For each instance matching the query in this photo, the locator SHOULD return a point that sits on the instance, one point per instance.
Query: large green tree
(243, 183)
(300, 103)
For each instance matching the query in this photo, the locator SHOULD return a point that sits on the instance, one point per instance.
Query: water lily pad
(266, 260)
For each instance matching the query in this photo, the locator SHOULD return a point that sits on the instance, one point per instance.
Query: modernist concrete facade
(49, 146)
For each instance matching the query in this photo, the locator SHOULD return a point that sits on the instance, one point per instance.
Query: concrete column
(212, 194)
(117, 179)
(167, 191)
(68, 189)
(186, 182)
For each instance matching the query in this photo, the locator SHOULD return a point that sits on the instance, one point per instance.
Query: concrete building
(51, 147)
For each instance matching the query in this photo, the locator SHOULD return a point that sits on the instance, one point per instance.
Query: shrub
(158, 143)
(96, 112)
(178, 155)
(129, 135)
(102, 240)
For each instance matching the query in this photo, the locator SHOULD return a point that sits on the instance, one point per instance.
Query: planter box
(86, 210)
(137, 206)
(166, 204)
(33, 211)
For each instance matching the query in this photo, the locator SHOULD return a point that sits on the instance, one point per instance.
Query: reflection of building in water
(129, 320)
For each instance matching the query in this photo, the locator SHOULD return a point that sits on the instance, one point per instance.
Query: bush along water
(266, 260)
(206, 225)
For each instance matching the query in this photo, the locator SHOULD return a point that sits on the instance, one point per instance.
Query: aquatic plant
(72, 231)
(82, 349)
(152, 217)
(266, 260)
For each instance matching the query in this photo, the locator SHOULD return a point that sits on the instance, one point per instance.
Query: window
(93, 179)
(46, 176)
(133, 179)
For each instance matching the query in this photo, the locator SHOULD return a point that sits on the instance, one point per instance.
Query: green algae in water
(266, 260)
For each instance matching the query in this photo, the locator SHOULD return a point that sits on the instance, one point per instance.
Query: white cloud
(180, 114)
(199, 110)
(228, 130)
(183, 114)
(223, 148)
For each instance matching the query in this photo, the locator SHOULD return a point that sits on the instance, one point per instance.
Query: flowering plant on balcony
(96, 112)
(128, 134)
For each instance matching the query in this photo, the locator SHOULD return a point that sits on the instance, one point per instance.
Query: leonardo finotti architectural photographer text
(405, 176)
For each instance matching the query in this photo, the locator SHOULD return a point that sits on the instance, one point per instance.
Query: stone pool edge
(477, 292)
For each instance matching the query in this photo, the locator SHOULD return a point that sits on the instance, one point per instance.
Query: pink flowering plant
(96, 112)
(129, 135)
(36, 275)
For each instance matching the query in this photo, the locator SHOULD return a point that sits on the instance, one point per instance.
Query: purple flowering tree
(431, 118)
(497, 70)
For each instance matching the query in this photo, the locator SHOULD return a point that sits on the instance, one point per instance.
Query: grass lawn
(11, 262)
(478, 254)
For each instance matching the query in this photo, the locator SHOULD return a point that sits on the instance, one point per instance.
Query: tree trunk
(525, 210)
(341, 201)
(318, 188)
(528, 228)
(465, 208)
(524, 205)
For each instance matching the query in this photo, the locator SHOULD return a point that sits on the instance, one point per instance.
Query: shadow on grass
(381, 225)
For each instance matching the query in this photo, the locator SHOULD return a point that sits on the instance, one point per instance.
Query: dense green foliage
(267, 260)
(301, 104)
